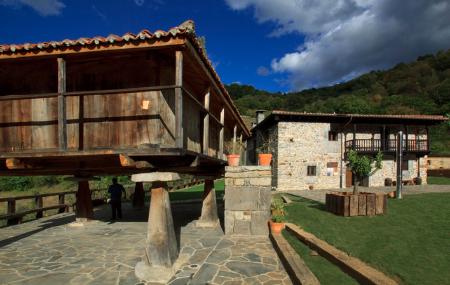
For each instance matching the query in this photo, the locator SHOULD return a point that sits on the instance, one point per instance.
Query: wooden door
(348, 178)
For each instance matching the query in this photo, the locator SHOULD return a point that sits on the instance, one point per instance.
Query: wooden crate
(364, 204)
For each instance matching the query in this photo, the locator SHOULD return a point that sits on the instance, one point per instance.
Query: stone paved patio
(319, 194)
(52, 251)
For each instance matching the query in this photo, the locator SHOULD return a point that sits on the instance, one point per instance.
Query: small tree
(363, 166)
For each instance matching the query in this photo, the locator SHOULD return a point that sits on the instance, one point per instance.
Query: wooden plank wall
(29, 124)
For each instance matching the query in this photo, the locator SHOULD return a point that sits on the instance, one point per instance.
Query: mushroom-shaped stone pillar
(209, 217)
(161, 248)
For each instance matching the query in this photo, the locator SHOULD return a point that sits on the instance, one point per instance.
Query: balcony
(375, 145)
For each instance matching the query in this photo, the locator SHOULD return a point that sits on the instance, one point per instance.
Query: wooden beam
(62, 120)
(14, 163)
(126, 161)
(179, 140)
(206, 123)
(221, 133)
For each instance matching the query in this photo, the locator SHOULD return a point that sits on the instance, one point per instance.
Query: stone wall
(247, 200)
(301, 145)
(389, 170)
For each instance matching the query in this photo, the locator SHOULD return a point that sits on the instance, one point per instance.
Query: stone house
(310, 149)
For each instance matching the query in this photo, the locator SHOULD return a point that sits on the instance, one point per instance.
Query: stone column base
(148, 273)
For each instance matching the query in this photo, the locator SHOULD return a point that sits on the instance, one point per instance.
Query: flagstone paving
(52, 251)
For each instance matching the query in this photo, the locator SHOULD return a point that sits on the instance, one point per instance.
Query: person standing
(115, 191)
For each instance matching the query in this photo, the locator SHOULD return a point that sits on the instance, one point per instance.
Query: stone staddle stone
(155, 176)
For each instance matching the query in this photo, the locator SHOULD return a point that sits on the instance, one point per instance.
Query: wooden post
(206, 124)
(139, 195)
(354, 137)
(11, 211)
(84, 202)
(221, 133)
(38, 202)
(209, 216)
(62, 121)
(428, 138)
(61, 199)
(179, 140)
(234, 139)
(406, 134)
(161, 246)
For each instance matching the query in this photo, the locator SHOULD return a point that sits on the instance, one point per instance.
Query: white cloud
(139, 2)
(43, 7)
(344, 38)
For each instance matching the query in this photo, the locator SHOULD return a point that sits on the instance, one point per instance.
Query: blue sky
(235, 42)
(278, 45)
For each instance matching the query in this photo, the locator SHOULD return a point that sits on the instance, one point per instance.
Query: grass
(325, 271)
(438, 180)
(196, 192)
(411, 242)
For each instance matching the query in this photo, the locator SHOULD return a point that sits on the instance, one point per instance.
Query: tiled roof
(369, 116)
(186, 29)
(278, 115)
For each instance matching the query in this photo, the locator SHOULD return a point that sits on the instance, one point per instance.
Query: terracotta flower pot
(264, 159)
(276, 228)
(233, 159)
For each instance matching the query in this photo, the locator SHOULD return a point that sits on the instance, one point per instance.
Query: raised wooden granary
(114, 105)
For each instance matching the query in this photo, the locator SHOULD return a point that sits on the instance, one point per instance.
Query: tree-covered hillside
(419, 87)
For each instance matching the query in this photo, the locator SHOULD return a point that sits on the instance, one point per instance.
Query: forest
(419, 87)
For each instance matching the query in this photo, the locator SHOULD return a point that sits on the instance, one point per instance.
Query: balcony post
(221, 133)
(383, 138)
(206, 123)
(62, 121)
(406, 133)
(428, 139)
(179, 140)
(354, 137)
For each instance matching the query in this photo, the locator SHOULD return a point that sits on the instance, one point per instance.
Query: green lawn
(196, 192)
(411, 242)
(438, 180)
(325, 271)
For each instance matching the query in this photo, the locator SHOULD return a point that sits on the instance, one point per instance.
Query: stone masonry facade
(298, 146)
(247, 200)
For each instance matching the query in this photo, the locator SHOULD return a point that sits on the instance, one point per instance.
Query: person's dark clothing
(116, 207)
(115, 192)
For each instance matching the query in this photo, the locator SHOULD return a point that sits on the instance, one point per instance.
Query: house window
(311, 170)
(332, 168)
(332, 136)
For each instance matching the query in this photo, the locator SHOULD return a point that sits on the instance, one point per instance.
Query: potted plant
(277, 219)
(265, 149)
(233, 150)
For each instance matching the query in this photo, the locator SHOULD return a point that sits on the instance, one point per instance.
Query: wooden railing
(13, 217)
(375, 145)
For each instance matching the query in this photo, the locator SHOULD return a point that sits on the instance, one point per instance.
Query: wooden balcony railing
(375, 145)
